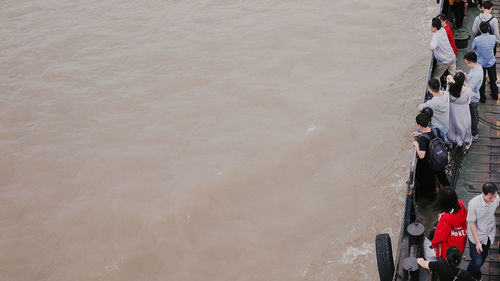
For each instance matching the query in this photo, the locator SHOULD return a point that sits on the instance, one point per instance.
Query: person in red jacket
(446, 26)
(452, 223)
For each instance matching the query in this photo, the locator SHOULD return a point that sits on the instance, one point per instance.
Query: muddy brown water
(205, 140)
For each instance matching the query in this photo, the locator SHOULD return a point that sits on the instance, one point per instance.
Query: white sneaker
(475, 138)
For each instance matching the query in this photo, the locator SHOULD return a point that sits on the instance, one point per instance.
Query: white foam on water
(351, 253)
(114, 265)
(304, 272)
(389, 231)
(310, 129)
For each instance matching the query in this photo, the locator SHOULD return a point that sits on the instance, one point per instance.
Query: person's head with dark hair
(443, 19)
(436, 24)
(433, 85)
(455, 87)
(484, 27)
(490, 192)
(423, 120)
(470, 57)
(447, 200)
(453, 256)
(427, 110)
(487, 5)
(490, 187)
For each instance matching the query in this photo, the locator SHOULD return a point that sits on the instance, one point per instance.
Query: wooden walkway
(482, 163)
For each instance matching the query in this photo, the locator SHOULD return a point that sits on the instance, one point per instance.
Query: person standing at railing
(460, 117)
(440, 104)
(483, 46)
(425, 175)
(449, 32)
(442, 50)
(427, 110)
(452, 222)
(474, 81)
(449, 270)
(481, 226)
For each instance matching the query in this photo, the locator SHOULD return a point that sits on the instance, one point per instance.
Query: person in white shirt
(440, 104)
(442, 50)
(481, 226)
(474, 81)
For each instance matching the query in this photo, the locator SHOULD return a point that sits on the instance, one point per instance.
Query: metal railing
(411, 180)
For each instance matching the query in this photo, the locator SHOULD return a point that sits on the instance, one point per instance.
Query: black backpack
(437, 154)
(490, 30)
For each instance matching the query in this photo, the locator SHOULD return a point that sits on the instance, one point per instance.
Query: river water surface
(205, 140)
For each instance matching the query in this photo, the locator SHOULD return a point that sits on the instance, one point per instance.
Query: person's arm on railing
(433, 43)
(423, 263)
(420, 153)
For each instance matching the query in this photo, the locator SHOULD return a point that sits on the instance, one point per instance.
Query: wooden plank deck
(482, 163)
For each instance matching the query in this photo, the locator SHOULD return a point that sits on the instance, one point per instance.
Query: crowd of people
(455, 226)
(449, 119)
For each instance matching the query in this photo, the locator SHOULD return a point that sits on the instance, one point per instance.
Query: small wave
(112, 266)
(352, 252)
(310, 129)
(304, 272)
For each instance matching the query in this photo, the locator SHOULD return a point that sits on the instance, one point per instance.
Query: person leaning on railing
(442, 50)
(445, 23)
(427, 110)
(440, 104)
(425, 175)
(460, 117)
(447, 271)
(452, 222)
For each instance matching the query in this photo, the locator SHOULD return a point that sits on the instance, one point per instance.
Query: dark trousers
(446, 10)
(474, 116)
(477, 259)
(458, 11)
(426, 178)
(492, 74)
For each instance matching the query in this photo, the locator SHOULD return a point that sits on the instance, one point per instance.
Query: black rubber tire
(385, 262)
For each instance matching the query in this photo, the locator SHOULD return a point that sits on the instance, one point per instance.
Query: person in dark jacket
(447, 271)
(425, 175)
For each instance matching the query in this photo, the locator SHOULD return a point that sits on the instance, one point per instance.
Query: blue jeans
(477, 260)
